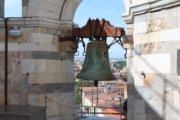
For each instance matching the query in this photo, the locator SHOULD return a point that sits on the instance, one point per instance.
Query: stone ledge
(146, 7)
(38, 22)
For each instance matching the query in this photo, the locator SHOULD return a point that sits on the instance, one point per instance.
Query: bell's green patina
(96, 65)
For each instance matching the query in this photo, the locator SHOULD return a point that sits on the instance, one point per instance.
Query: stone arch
(52, 9)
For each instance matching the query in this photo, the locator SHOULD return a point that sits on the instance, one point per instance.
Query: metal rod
(92, 95)
(97, 95)
(6, 61)
(81, 98)
(101, 113)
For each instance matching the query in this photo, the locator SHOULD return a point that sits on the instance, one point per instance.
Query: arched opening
(110, 11)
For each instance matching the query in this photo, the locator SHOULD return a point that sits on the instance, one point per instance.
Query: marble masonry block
(26, 30)
(151, 107)
(169, 111)
(130, 64)
(37, 99)
(143, 93)
(24, 38)
(130, 31)
(178, 62)
(39, 30)
(17, 99)
(25, 2)
(130, 114)
(140, 27)
(41, 37)
(53, 109)
(139, 106)
(53, 66)
(156, 15)
(2, 37)
(56, 2)
(52, 48)
(33, 66)
(53, 31)
(64, 78)
(130, 53)
(151, 48)
(137, 49)
(147, 81)
(151, 117)
(170, 35)
(177, 111)
(19, 78)
(153, 63)
(147, 38)
(140, 18)
(1, 8)
(177, 96)
(67, 66)
(25, 47)
(139, 116)
(130, 101)
(43, 78)
(154, 25)
(24, 10)
(130, 89)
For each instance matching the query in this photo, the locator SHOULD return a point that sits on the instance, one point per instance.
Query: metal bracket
(83, 43)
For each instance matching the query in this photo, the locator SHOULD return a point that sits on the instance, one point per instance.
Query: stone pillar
(128, 44)
(156, 59)
(37, 67)
(1, 8)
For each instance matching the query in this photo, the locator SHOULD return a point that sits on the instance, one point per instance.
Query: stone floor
(98, 118)
(87, 118)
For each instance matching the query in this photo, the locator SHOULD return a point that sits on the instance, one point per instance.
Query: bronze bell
(96, 65)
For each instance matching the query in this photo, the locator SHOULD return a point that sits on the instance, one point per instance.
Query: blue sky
(110, 10)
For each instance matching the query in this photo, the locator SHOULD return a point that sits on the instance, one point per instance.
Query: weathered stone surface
(147, 38)
(143, 92)
(151, 48)
(139, 106)
(137, 49)
(130, 31)
(130, 89)
(130, 101)
(53, 66)
(153, 63)
(2, 8)
(130, 114)
(140, 116)
(148, 117)
(177, 111)
(154, 25)
(25, 2)
(170, 35)
(140, 18)
(33, 66)
(17, 99)
(62, 87)
(149, 110)
(178, 62)
(141, 27)
(42, 38)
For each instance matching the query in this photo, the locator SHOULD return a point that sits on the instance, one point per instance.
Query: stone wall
(157, 45)
(37, 65)
(156, 54)
(1, 8)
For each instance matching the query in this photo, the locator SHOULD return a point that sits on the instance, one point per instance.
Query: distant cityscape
(110, 93)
